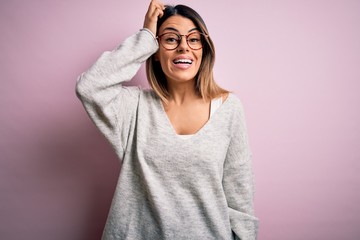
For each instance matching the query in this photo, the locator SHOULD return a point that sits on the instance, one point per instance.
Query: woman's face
(182, 63)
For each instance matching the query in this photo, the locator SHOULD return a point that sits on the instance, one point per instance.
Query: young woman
(186, 164)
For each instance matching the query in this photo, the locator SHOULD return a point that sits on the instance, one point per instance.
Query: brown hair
(206, 86)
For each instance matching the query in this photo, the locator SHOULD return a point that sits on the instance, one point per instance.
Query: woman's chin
(181, 79)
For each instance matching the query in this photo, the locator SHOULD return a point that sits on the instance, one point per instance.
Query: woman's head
(181, 60)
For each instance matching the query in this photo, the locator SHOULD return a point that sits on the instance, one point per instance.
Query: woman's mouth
(183, 63)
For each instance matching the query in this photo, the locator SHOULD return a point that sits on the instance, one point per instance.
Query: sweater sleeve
(111, 106)
(238, 181)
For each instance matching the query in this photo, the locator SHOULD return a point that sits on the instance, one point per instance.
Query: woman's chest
(158, 146)
(188, 119)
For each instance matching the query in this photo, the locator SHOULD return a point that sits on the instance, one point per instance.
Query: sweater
(201, 187)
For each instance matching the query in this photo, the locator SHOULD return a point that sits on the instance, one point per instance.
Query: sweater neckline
(171, 129)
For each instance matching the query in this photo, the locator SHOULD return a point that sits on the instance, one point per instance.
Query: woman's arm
(238, 181)
(111, 106)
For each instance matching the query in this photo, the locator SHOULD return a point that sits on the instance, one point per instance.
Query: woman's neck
(182, 92)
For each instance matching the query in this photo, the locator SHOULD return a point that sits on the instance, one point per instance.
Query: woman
(186, 164)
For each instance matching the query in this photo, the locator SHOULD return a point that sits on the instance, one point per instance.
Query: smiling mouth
(183, 61)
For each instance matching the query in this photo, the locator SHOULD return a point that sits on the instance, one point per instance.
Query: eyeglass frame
(180, 36)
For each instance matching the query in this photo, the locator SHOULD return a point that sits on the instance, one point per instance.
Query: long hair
(205, 86)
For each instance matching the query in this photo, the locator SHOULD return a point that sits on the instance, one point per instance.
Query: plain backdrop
(294, 64)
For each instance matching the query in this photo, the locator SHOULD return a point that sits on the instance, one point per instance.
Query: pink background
(294, 64)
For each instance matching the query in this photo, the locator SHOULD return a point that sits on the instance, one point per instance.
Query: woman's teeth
(183, 61)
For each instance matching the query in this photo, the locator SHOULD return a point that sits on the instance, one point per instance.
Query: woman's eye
(194, 39)
(170, 40)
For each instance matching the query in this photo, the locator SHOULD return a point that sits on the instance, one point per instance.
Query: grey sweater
(169, 187)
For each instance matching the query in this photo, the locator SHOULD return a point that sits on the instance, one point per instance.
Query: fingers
(157, 3)
(155, 11)
(158, 13)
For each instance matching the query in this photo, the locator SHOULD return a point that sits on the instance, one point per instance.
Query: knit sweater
(169, 187)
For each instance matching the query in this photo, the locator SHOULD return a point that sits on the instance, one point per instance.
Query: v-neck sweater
(200, 187)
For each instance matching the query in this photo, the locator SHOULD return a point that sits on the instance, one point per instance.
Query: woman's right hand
(155, 11)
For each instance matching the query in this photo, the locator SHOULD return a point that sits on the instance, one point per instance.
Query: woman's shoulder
(230, 97)
(234, 101)
(235, 107)
(148, 93)
(148, 96)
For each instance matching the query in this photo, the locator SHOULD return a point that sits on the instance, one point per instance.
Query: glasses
(170, 40)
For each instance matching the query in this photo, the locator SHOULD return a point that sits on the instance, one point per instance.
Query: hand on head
(155, 11)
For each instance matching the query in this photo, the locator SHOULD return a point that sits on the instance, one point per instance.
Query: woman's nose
(183, 45)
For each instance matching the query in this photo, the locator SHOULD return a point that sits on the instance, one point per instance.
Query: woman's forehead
(178, 23)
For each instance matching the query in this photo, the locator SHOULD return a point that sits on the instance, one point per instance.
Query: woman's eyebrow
(193, 29)
(174, 29)
(170, 28)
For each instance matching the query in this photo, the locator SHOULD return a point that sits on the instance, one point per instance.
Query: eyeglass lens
(171, 41)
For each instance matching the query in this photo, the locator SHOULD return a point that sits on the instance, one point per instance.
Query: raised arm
(111, 106)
